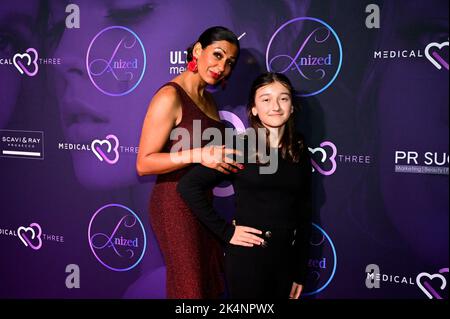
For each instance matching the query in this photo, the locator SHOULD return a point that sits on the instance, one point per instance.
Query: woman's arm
(163, 114)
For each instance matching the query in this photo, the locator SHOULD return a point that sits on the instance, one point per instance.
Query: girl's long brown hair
(291, 143)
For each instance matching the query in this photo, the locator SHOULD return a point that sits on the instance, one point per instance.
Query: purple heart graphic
(425, 284)
(27, 63)
(34, 239)
(440, 59)
(104, 150)
(435, 57)
(325, 157)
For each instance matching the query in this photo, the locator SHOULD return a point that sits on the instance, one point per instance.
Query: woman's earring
(192, 65)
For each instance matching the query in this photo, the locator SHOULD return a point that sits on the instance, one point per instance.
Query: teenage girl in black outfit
(267, 257)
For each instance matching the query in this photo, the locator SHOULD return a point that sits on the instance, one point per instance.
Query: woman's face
(166, 29)
(216, 61)
(273, 105)
(16, 22)
(413, 106)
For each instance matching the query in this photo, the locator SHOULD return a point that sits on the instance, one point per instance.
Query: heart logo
(113, 152)
(23, 61)
(22, 232)
(323, 158)
(425, 285)
(434, 57)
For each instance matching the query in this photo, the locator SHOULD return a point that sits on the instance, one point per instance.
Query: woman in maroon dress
(192, 253)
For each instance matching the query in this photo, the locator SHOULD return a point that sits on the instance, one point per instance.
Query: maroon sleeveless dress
(192, 254)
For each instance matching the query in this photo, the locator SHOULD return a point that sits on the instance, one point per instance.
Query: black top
(263, 201)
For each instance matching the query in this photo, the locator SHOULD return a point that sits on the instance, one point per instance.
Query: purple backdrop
(374, 112)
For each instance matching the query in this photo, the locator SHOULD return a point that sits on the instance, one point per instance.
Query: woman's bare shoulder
(167, 96)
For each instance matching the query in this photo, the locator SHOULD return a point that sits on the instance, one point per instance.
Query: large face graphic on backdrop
(113, 65)
(413, 113)
(15, 39)
(126, 49)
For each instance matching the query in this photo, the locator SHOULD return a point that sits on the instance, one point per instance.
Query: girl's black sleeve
(304, 226)
(193, 187)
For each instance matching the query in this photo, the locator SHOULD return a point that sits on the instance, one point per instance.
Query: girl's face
(16, 21)
(273, 105)
(216, 61)
(166, 29)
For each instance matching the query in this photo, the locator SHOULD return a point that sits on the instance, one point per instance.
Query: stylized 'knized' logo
(308, 51)
(116, 61)
(117, 237)
(233, 119)
(322, 262)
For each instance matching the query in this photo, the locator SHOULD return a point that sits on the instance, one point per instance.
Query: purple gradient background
(374, 107)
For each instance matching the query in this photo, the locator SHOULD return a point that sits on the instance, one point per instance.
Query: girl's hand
(243, 236)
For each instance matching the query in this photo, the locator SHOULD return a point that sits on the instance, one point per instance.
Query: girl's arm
(193, 187)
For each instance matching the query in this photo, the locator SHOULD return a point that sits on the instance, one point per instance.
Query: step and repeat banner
(76, 79)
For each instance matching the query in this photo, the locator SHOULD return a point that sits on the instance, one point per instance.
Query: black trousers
(261, 272)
